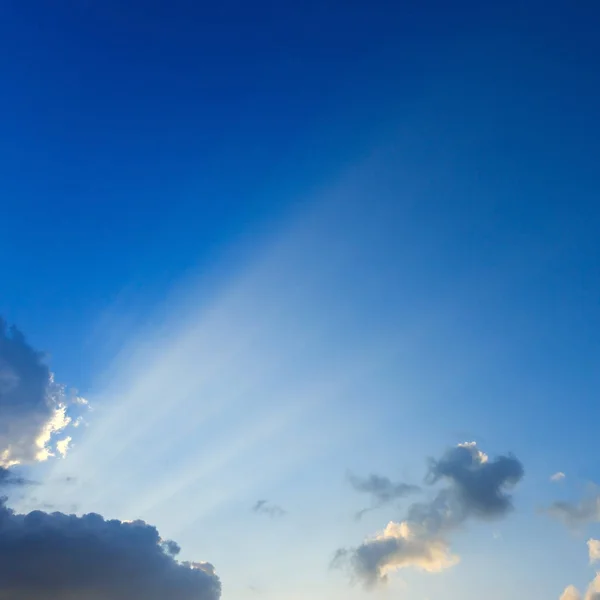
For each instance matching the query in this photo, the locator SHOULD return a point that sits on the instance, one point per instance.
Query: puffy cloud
(575, 515)
(398, 545)
(558, 476)
(62, 446)
(592, 592)
(382, 490)
(263, 507)
(594, 549)
(33, 407)
(61, 557)
(570, 593)
(476, 487)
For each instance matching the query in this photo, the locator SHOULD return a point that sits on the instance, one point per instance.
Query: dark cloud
(476, 487)
(382, 490)
(578, 514)
(63, 557)
(171, 547)
(263, 507)
(479, 485)
(32, 405)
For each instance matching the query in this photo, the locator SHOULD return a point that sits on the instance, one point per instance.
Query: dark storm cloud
(476, 487)
(63, 557)
(381, 489)
(263, 507)
(578, 514)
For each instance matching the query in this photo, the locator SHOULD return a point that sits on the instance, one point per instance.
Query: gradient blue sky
(274, 242)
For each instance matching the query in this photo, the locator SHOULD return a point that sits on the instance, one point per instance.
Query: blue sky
(276, 244)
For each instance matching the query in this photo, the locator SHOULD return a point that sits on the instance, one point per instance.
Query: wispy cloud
(382, 490)
(559, 476)
(577, 514)
(263, 507)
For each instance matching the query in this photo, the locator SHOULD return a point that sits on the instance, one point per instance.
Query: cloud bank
(62, 557)
(476, 487)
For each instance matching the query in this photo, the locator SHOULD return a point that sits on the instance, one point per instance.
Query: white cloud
(398, 546)
(594, 549)
(57, 423)
(559, 476)
(62, 446)
(570, 593)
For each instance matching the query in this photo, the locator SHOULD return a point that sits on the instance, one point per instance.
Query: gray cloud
(382, 490)
(576, 515)
(478, 484)
(33, 407)
(61, 557)
(262, 507)
(476, 487)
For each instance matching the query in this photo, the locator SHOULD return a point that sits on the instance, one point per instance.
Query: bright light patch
(57, 423)
(62, 446)
(481, 456)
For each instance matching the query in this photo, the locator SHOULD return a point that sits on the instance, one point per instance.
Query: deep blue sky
(142, 140)
(137, 137)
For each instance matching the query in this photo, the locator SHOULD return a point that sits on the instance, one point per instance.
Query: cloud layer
(476, 487)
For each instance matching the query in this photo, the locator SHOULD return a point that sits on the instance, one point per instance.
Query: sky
(299, 300)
